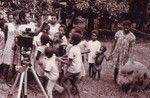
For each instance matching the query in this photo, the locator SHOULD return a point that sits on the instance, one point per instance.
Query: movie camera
(25, 46)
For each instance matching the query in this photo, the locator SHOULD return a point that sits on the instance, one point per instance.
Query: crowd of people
(58, 58)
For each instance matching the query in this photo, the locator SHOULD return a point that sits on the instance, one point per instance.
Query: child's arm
(86, 51)
(62, 60)
(70, 62)
(106, 58)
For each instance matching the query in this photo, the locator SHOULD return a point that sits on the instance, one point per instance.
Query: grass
(105, 88)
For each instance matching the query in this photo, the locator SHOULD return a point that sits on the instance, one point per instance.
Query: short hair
(76, 38)
(45, 27)
(104, 48)
(22, 15)
(49, 51)
(63, 26)
(126, 23)
(53, 14)
(95, 32)
(45, 39)
(60, 35)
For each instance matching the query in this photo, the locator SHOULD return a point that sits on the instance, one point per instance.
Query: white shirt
(94, 47)
(52, 68)
(23, 27)
(53, 29)
(83, 45)
(75, 55)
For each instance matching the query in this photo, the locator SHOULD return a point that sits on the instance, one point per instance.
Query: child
(84, 52)
(75, 61)
(57, 44)
(50, 70)
(62, 30)
(93, 46)
(44, 30)
(40, 57)
(98, 61)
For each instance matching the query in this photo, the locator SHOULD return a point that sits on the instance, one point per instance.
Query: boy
(93, 46)
(40, 57)
(98, 61)
(75, 61)
(62, 30)
(50, 70)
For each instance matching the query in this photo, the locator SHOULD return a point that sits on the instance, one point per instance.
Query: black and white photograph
(74, 48)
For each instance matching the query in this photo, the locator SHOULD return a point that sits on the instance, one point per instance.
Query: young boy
(93, 46)
(50, 70)
(40, 57)
(45, 29)
(75, 61)
(98, 61)
(62, 30)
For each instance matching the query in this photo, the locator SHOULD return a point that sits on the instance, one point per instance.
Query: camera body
(26, 39)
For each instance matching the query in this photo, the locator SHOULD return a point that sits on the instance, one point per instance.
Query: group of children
(76, 50)
(58, 58)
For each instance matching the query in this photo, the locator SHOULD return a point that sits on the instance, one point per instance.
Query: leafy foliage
(43, 7)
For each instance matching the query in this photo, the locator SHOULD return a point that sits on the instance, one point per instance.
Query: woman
(8, 54)
(122, 48)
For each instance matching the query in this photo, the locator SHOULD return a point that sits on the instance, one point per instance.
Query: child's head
(48, 52)
(44, 39)
(94, 35)
(10, 17)
(62, 29)
(103, 49)
(46, 29)
(57, 37)
(75, 38)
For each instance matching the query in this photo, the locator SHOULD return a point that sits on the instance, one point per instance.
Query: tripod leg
(39, 83)
(20, 85)
(14, 85)
(25, 83)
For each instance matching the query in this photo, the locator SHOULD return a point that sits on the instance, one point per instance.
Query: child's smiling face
(94, 36)
(61, 29)
(56, 37)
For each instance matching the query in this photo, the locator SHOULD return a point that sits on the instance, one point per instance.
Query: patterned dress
(120, 54)
(2, 45)
(8, 53)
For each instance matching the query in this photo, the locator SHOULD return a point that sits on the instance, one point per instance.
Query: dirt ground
(104, 88)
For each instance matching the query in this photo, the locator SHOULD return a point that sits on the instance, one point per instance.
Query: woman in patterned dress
(122, 48)
(8, 54)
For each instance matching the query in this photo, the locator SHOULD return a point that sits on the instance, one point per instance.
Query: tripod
(25, 58)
